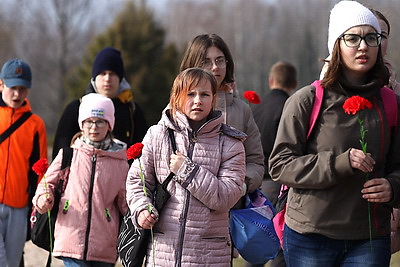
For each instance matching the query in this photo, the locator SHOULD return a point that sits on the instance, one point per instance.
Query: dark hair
(197, 49)
(380, 16)
(186, 81)
(284, 74)
(335, 69)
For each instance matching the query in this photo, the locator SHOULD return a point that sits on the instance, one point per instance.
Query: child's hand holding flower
(45, 203)
(147, 217)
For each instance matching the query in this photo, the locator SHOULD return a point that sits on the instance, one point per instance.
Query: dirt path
(37, 257)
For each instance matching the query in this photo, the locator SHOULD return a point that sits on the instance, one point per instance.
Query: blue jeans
(12, 234)
(70, 262)
(315, 250)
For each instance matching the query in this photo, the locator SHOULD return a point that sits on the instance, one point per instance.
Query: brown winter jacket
(325, 195)
(193, 227)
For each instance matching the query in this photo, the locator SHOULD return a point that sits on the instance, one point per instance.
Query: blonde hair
(186, 81)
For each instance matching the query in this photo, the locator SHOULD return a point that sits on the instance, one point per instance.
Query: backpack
(389, 101)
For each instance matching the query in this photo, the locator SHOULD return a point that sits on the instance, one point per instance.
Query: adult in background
(282, 82)
(108, 80)
(336, 188)
(210, 52)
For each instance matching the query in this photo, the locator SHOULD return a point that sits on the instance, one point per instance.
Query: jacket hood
(212, 124)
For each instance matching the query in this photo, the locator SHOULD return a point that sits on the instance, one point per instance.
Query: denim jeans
(315, 250)
(70, 262)
(12, 234)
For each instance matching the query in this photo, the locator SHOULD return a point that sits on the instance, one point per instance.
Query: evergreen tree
(150, 65)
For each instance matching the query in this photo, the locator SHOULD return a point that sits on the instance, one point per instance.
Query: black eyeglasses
(219, 62)
(99, 123)
(354, 40)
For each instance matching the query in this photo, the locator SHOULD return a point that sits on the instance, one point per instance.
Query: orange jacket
(18, 153)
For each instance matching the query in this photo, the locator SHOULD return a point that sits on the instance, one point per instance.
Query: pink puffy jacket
(96, 194)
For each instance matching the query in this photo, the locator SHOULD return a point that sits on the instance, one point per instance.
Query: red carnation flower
(40, 166)
(356, 103)
(135, 151)
(252, 97)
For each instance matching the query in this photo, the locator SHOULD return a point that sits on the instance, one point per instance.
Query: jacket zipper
(94, 160)
(183, 217)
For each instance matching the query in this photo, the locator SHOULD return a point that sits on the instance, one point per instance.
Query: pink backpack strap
(319, 95)
(389, 101)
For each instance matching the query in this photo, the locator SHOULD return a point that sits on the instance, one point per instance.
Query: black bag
(40, 234)
(132, 242)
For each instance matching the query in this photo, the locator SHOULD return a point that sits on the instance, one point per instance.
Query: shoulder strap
(319, 95)
(390, 106)
(67, 157)
(66, 162)
(173, 143)
(172, 139)
(14, 126)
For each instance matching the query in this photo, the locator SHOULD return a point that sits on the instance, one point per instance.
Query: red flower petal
(356, 103)
(135, 151)
(252, 97)
(40, 166)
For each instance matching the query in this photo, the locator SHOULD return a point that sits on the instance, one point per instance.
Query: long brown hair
(186, 81)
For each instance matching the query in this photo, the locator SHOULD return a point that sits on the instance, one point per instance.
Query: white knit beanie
(345, 15)
(98, 106)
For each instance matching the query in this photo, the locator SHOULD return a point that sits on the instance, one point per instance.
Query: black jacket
(267, 115)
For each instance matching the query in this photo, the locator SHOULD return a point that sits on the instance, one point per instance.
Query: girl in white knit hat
(341, 192)
(87, 224)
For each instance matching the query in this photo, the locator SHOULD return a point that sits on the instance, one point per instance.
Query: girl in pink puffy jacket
(87, 223)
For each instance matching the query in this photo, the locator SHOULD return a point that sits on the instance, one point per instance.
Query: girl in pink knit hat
(87, 223)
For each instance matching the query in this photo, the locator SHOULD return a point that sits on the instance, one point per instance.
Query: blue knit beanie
(108, 59)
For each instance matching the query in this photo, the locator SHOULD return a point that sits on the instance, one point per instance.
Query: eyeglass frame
(378, 35)
(209, 63)
(89, 123)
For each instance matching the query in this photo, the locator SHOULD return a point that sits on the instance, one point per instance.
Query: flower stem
(370, 226)
(141, 174)
(363, 132)
(48, 217)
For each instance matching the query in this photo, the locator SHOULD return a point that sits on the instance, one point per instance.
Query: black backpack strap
(172, 139)
(14, 126)
(67, 157)
(173, 143)
(66, 162)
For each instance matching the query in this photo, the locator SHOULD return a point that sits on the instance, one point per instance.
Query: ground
(37, 257)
